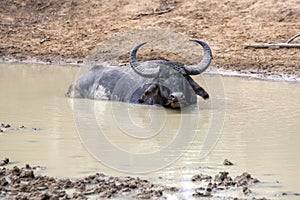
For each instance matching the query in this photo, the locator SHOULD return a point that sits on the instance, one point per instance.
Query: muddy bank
(66, 32)
(23, 183)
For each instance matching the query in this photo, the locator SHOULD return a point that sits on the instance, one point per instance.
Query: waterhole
(259, 130)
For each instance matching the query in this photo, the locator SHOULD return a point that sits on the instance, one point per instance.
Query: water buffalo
(163, 82)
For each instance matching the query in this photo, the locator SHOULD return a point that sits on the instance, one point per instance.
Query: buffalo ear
(197, 88)
(151, 91)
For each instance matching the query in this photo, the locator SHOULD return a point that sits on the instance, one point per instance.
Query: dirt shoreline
(59, 32)
(23, 183)
(229, 71)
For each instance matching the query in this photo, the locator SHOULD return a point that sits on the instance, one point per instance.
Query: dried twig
(159, 12)
(267, 45)
(275, 45)
(292, 38)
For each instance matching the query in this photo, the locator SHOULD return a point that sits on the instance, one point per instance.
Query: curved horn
(139, 69)
(205, 62)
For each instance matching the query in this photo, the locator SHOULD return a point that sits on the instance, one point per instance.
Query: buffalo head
(172, 85)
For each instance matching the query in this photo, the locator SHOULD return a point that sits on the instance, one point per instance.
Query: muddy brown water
(253, 123)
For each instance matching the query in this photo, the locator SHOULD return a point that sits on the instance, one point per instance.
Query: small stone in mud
(3, 162)
(227, 162)
(223, 179)
(79, 196)
(201, 193)
(3, 182)
(80, 186)
(201, 188)
(16, 171)
(6, 160)
(149, 194)
(246, 191)
(210, 187)
(38, 168)
(171, 189)
(201, 177)
(245, 179)
(22, 127)
(5, 125)
(27, 166)
(36, 129)
(28, 175)
(45, 196)
(287, 194)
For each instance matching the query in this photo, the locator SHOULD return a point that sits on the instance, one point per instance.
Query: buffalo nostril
(177, 97)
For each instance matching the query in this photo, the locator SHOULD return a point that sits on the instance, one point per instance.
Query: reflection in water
(260, 131)
(109, 133)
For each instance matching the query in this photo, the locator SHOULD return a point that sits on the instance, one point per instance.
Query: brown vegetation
(68, 30)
